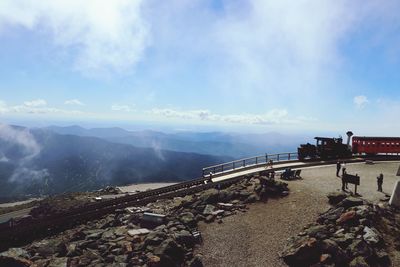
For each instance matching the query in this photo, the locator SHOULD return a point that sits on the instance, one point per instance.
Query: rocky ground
(129, 238)
(354, 232)
(258, 236)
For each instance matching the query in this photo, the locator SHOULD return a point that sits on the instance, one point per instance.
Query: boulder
(16, 253)
(359, 248)
(350, 202)
(209, 209)
(210, 196)
(185, 238)
(331, 215)
(302, 251)
(168, 250)
(58, 262)
(318, 231)
(14, 262)
(50, 247)
(358, 262)
(335, 197)
(346, 217)
(371, 235)
(188, 219)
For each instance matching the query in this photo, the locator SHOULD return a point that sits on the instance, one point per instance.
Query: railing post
(244, 163)
(277, 157)
(266, 158)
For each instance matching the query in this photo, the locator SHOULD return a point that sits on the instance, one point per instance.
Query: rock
(251, 198)
(209, 209)
(371, 235)
(168, 250)
(58, 262)
(196, 261)
(383, 258)
(302, 252)
(346, 217)
(209, 218)
(325, 258)
(359, 248)
(14, 262)
(335, 197)
(330, 215)
(141, 231)
(210, 196)
(358, 262)
(185, 238)
(153, 261)
(345, 240)
(363, 211)
(339, 256)
(318, 231)
(350, 202)
(154, 238)
(225, 206)
(50, 247)
(188, 219)
(16, 253)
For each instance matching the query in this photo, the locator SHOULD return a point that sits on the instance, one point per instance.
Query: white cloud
(125, 108)
(360, 101)
(102, 35)
(20, 137)
(75, 102)
(35, 103)
(275, 116)
(38, 106)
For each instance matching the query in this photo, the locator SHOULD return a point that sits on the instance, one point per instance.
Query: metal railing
(247, 162)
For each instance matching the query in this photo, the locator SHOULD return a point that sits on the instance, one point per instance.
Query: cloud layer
(102, 35)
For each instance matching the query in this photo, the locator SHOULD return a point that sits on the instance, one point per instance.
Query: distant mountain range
(56, 159)
(40, 161)
(210, 143)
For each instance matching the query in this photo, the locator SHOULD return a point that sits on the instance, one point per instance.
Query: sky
(255, 65)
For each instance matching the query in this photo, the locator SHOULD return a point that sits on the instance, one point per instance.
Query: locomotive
(331, 148)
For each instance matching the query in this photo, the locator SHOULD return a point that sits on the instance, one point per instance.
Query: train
(331, 148)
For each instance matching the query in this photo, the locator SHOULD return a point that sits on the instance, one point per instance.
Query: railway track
(25, 232)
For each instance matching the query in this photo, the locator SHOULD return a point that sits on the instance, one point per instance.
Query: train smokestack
(349, 135)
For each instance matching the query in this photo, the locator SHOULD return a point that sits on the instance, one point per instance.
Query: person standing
(337, 168)
(343, 180)
(379, 181)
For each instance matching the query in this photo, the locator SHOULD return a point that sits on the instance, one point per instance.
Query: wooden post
(355, 189)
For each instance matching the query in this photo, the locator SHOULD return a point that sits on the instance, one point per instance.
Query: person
(269, 164)
(337, 168)
(210, 177)
(344, 184)
(379, 181)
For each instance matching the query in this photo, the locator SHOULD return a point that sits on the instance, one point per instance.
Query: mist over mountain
(212, 143)
(40, 161)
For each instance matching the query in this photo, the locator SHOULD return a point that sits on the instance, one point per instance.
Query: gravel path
(256, 237)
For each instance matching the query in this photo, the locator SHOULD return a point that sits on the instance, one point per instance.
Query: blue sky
(234, 65)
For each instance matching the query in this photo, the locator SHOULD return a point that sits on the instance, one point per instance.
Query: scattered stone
(371, 235)
(141, 231)
(335, 197)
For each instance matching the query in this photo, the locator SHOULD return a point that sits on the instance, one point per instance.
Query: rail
(247, 162)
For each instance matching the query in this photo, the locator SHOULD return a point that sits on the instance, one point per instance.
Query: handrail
(245, 162)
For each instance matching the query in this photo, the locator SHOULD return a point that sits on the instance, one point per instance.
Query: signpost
(352, 179)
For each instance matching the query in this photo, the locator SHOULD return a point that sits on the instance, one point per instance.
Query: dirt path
(256, 237)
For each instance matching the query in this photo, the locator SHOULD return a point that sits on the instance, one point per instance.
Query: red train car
(375, 145)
